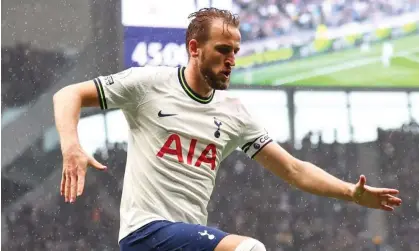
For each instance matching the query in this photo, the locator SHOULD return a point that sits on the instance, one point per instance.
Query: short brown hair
(199, 26)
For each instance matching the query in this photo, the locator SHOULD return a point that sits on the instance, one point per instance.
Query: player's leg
(234, 242)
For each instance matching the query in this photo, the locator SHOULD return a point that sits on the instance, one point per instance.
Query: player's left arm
(310, 178)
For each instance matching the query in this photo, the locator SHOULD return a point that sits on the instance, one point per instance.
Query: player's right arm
(67, 106)
(125, 90)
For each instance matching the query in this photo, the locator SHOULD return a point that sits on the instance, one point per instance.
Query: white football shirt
(176, 142)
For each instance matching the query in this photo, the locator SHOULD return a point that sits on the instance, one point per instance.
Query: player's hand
(372, 197)
(75, 162)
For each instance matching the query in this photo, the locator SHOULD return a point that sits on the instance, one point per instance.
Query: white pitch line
(336, 68)
(326, 70)
(412, 58)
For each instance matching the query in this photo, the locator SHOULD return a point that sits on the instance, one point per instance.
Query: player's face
(218, 55)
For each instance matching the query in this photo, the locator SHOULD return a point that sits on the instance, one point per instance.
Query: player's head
(212, 41)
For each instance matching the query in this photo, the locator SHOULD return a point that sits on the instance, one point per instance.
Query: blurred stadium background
(336, 82)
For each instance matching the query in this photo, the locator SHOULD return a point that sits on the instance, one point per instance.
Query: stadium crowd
(270, 18)
(247, 200)
(400, 167)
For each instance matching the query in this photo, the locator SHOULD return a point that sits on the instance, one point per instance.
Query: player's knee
(251, 245)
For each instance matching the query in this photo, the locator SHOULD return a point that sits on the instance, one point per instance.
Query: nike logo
(165, 115)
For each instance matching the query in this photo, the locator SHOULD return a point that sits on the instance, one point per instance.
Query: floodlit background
(335, 82)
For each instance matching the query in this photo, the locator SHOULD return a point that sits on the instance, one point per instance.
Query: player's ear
(193, 48)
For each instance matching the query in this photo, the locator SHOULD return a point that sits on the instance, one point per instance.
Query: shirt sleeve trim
(101, 94)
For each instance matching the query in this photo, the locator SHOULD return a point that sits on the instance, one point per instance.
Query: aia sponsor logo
(208, 155)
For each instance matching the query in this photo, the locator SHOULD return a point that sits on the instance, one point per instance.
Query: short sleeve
(253, 137)
(124, 89)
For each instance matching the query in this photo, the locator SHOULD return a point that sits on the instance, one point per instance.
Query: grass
(348, 68)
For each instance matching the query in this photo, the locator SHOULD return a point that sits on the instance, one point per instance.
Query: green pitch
(349, 68)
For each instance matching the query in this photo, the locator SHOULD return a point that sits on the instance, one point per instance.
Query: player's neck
(197, 83)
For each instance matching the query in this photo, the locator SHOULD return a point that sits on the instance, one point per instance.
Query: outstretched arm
(313, 179)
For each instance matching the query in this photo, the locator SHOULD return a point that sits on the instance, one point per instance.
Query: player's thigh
(234, 242)
(173, 236)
